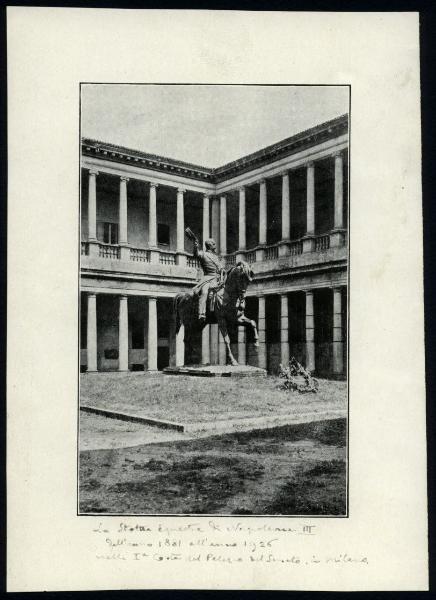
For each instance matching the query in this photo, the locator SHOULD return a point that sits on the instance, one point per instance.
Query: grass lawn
(198, 399)
(289, 470)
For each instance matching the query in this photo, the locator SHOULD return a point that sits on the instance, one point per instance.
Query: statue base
(216, 371)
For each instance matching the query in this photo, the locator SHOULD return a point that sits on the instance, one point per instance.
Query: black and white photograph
(213, 299)
(216, 374)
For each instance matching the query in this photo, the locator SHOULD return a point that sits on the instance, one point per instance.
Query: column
(310, 332)
(205, 345)
(180, 347)
(152, 224)
(181, 256)
(122, 235)
(152, 335)
(223, 225)
(261, 329)
(260, 253)
(214, 344)
(91, 333)
(242, 224)
(222, 353)
(337, 236)
(286, 232)
(242, 348)
(309, 242)
(123, 336)
(338, 344)
(284, 334)
(92, 213)
(216, 222)
(206, 233)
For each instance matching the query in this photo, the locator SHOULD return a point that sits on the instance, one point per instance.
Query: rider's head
(210, 244)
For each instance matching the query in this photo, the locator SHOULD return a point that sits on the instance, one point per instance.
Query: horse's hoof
(256, 345)
(235, 363)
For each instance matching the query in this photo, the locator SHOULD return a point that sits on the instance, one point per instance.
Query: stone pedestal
(154, 256)
(284, 247)
(124, 253)
(337, 238)
(215, 371)
(181, 259)
(308, 244)
(260, 254)
(93, 249)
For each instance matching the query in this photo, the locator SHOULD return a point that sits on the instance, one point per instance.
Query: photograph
(212, 344)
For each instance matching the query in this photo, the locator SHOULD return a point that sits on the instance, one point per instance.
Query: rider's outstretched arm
(196, 248)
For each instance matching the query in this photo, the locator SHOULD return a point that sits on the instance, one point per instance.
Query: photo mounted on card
(215, 307)
(213, 299)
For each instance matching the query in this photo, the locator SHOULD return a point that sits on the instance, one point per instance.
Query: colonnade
(217, 207)
(213, 348)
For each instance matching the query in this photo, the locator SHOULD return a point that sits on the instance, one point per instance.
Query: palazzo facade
(284, 209)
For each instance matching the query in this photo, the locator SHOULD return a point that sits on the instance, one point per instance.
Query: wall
(297, 202)
(137, 221)
(167, 213)
(107, 331)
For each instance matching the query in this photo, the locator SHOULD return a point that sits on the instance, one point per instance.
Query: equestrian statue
(219, 297)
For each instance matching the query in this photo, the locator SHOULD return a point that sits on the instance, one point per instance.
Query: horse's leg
(243, 320)
(223, 330)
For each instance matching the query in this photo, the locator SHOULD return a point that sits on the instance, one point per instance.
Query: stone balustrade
(322, 242)
(192, 261)
(108, 251)
(139, 254)
(271, 252)
(167, 258)
(230, 260)
(329, 242)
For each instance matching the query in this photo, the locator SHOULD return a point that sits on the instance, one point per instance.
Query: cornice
(305, 139)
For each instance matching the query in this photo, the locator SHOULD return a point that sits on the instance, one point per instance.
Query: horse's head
(238, 279)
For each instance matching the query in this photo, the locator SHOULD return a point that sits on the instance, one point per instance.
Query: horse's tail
(176, 312)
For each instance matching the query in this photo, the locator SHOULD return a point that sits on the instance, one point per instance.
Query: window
(163, 234)
(107, 232)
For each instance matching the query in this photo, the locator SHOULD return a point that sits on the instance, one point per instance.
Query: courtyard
(289, 458)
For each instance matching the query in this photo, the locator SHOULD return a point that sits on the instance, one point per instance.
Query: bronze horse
(228, 309)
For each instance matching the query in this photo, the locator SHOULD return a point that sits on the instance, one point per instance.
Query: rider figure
(213, 274)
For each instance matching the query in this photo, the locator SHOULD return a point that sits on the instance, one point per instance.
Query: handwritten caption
(210, 541)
